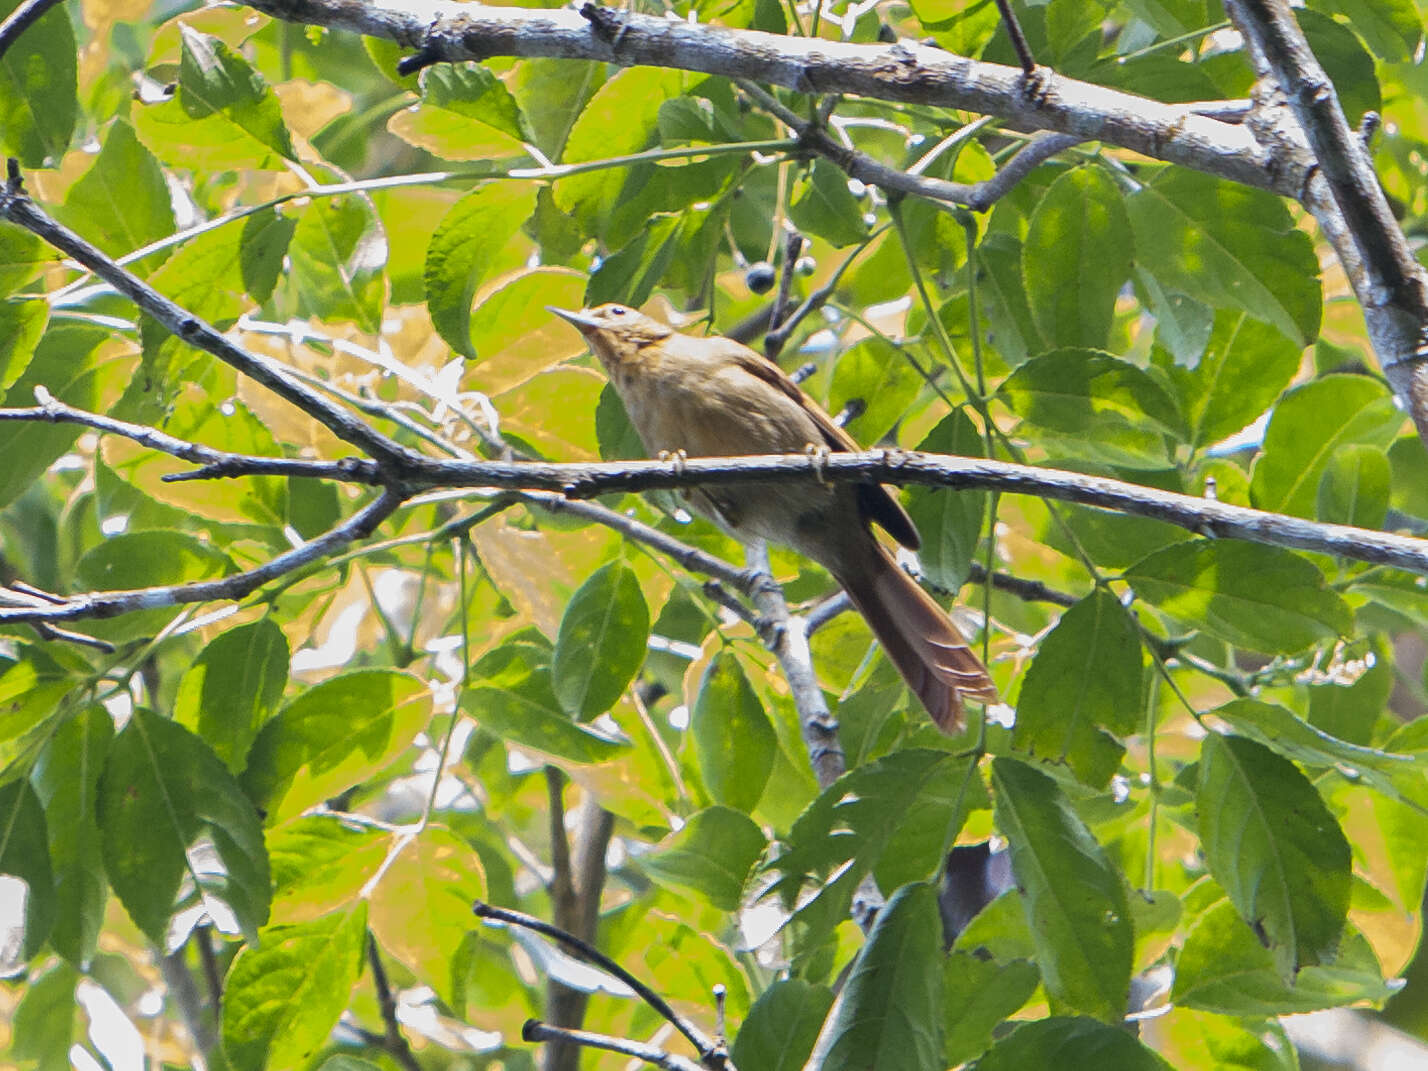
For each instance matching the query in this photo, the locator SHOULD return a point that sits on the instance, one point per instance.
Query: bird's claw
(818, 459)
(675, 459)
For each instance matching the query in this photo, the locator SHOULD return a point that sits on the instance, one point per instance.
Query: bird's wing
(874, 500)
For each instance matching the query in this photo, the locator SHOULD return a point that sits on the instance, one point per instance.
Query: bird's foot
(818, 459)
(675, 459)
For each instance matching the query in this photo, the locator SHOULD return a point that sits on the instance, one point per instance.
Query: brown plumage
(712, 397)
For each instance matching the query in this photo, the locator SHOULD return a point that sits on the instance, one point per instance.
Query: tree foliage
(276, 810)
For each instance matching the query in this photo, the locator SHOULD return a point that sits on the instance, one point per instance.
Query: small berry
(760, 277)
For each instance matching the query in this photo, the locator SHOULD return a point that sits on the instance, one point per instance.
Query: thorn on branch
(14, 184)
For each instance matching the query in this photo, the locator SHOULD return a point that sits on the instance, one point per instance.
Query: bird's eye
(617, 310)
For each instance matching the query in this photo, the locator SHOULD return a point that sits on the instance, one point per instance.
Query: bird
(710, 396)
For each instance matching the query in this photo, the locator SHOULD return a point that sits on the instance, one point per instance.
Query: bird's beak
(583, 320)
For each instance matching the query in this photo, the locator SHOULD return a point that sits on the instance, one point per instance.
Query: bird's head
(615, 332)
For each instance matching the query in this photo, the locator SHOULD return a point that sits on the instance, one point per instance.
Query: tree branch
(1346, 198)
(915, 74)
(897, 467)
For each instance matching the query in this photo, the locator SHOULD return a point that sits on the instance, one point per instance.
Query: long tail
(932, 656)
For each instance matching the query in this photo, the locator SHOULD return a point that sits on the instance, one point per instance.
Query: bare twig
(16, 207)
(103, 604)
(216, 463)
(21, 19)
(534, 1030)
(706, 1046)
(394, 1042)
(1017, 37)
(792, 247)
(864, 168)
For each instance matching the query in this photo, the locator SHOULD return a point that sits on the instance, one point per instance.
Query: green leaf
(889, 1015)
(337, 254)
(1245, 367)
(1095, 406)
(216, 82)
(149, 559)
(163, 792)
(601, 643)
(1229, 246)
(1394, 775)
(899, 813)
(66, 363)
(622, 118)
(631, 273)
(711, 855)
(950, 522)
(1354, 488)
(463, 251)
(782, 1026)
(1074, 896)
(1010, 326)
(233, 688)
(32, 689)
(1392, 28)
(1346, 62)
(1270, 841)
(1075, 258)
(38, 89)
(122, 202)
(1224, 968)
(878, 374)
(472, 91)
(263, 248)
(1251, 595)
(1182, 324)
(22, 325)
(21, 254)
(25, 856)
(1066, 1042)
(822, 205)
(45, 1026)
(1087, 675)
(978, 996)
(421, 909)
(333, 736)
(283, 995)
(1350, 711)
(511, 695)
(734, 741)
(320, 863)
(66, 780)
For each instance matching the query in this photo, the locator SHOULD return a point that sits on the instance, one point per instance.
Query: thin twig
(21, 19)
(859, 165)
(104, 604)
(394, 1042)
(16, 207)
(792, 247)
(215, 463)
(534, 1030)
(588, 952)
(1017, 38)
